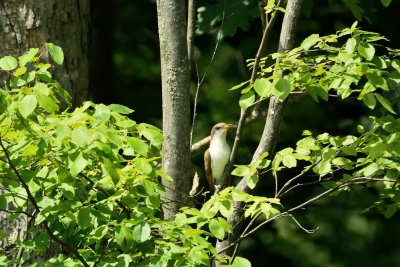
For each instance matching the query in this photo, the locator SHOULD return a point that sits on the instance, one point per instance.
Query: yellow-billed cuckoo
(217, 156)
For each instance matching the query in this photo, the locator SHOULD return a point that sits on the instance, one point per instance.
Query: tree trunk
(271, 128)
(31, 23)
(175, 93)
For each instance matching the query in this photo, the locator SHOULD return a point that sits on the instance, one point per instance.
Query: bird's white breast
(219, 153)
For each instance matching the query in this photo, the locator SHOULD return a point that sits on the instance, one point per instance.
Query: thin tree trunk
(31, 23)
(176, 114)
(272, 124)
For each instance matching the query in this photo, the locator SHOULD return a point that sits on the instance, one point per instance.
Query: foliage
(342, 65)
(231, 14)
(87, 180)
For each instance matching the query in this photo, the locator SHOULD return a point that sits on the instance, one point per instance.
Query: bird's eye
(218, 128)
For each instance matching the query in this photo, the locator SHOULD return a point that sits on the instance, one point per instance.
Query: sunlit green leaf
(141, 232)
(263, 87)
(241, 170)
(247, 100)
(8, 63)
(28, 57)
(20, 71)
(78, 165)
(366, 50)
(143, 167)
(120, 109)
(251, 180)
(124, 237)
(371, 169)
(385, 103)
(47, 103)
(281, 89)
(81, 136)
(351, 45)
(369, 100)
(310, 41)
(56, 53)
(216, 229)
(27, 105)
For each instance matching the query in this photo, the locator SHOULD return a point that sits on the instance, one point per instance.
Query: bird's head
(220, 129)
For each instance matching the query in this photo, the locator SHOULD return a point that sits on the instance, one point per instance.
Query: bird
(217, 156)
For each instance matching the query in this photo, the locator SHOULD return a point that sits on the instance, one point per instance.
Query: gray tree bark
(271, 128)
(175, 77)
(31, 23)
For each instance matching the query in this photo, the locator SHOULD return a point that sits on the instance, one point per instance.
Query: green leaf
(27, 105)
(241, 170)
(351, 45)
(56, 53)
(28, 56)
(97, 234)
(281, 89)
(3, 202)
(370, 169)
(143, 167)
(47, 103)
(310, 41)
(251, 180)
(366, 50)
(141, 232)
(111, 169)
(239, 86)
(390, 211)
(138, 145)
(323, 168)
(81, 136)
(341, 161)
(263, 87)
(120, 109)
(8, 63)
(78, 165)
(386, 3)
(226, 208)
(369, 100)
(247, 100)
(124, 237)
(317, 91)
(216, 229)
(385, 103)
(20, 71)
(41, 242)
(84, 218)
(289, 161)
(237, 14)
(376, 80)
(68, 191)
(241, 262)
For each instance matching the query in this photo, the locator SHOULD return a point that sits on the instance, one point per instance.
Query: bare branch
(272, 123)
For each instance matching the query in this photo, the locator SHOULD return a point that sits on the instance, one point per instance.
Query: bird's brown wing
(207, 167)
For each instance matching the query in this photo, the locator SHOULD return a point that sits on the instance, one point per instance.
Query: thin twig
(36, 206)
(200, 81)
(247, 231)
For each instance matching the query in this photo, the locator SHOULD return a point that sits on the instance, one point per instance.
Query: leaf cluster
(345, 64)
(86, 180)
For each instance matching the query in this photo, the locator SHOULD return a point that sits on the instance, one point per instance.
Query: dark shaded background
(125, 69)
